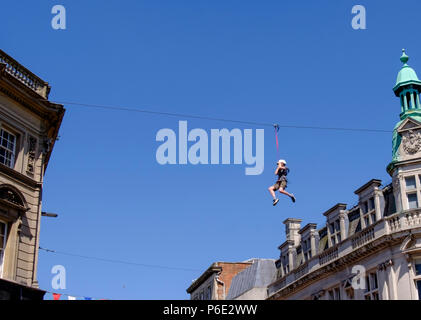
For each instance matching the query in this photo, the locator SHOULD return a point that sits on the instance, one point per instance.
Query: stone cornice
(214, 268)
(311, 226)
(340, 206)
(32, 101)
(11, 173)
(286, 243)
(375, 182)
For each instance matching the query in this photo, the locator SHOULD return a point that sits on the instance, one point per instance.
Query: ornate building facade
(373, 250)
(29, 125)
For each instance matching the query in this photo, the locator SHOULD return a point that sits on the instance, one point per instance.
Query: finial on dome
(404, 57)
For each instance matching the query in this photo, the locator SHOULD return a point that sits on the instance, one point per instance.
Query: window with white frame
(372, 210)
(285, 263)
(368, 211)
(307, 249)
(411, 191)
(335, 232)
(371, 286)
(3, 237)
(417, 272)
(7, 148)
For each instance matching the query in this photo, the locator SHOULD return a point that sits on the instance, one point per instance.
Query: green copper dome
(406, 76)
(407, 88)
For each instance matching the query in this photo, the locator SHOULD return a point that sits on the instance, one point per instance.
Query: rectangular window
(371, 204)
(412, 201)
(410, 183)
(209, 293)
(3, 237)
(374, 283)
(419, 289)
(286, 264)
(367, 284)
(418, 267)
(372, 286)
(7, 148)
(373, 217)
(365, 207)
(337, 226)
(367, 221)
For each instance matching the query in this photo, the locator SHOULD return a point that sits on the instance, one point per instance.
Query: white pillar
(377, 204)
(391, 283)
(313, 243)
(342, 224)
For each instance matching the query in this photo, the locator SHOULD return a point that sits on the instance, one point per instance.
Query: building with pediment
(370, 251)
(29, 125)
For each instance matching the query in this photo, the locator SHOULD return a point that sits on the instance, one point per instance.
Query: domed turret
(408, 87)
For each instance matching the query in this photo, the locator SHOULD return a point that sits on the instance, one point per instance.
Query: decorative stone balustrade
(328, 255)
(25, 76)
(404, 220)
(301, 270)
(363, 237)
(388, 225)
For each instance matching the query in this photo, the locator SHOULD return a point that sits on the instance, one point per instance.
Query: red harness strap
(276, 137)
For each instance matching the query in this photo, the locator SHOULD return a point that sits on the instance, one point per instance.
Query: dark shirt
(282, 174)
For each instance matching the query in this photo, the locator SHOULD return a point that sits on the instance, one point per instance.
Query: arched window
(12, 195)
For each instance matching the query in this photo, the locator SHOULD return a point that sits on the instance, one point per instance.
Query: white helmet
(282, 161)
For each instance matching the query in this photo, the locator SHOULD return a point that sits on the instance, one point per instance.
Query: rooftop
(23, 75)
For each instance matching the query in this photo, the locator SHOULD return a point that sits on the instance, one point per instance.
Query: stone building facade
(372, 250)
(29, 125)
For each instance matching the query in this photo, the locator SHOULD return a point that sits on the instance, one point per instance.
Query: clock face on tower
(411, 141)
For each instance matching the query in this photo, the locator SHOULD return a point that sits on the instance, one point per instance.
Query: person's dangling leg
(272, 190)
(282, 190)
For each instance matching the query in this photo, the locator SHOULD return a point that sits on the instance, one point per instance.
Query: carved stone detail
(32, 146)
(385, 265)
(411, 141)
(10, 196)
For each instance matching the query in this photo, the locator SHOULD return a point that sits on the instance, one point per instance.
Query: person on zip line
(281, 184)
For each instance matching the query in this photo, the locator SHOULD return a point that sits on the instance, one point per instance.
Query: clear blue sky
(267, 61)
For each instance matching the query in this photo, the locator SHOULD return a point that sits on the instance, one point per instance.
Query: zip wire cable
(181, 115)
(117, 261)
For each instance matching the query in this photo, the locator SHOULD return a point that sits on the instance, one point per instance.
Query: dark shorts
(280, 184)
